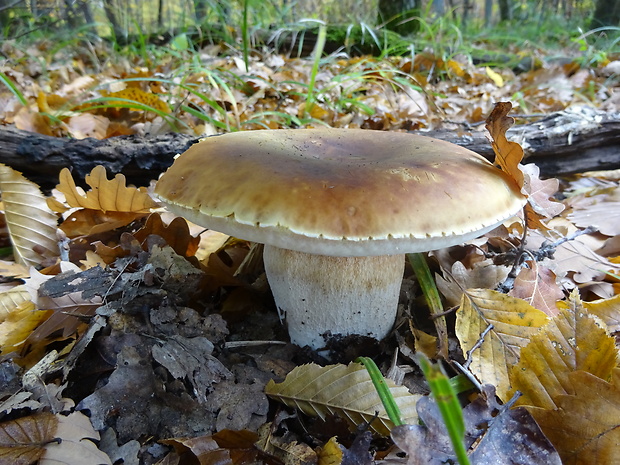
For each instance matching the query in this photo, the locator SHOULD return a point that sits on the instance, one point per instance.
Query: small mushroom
(337, 209)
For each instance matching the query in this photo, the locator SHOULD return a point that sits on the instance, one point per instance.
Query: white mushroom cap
(339, 192)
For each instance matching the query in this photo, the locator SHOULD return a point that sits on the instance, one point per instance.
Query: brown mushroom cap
(340, 192)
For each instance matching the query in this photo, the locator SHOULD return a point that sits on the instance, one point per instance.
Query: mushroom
(337, 209)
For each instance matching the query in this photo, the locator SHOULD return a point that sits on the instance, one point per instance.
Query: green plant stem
(431, 294)
(448, 405)
(318, 52)
(387, 399)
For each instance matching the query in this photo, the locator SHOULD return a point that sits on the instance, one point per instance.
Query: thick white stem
(343, 295)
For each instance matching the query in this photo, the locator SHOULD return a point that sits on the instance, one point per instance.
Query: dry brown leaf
(105, 195)
(23, 441)
(585, 428)
(32, 225)
(75, 445)
(514, 323)
(176, 234)
(569, 342)
(540, 192)
(345, 390)
(483, 275)
(601, 211)
(536, 284)
(88, 222)
(508, 154)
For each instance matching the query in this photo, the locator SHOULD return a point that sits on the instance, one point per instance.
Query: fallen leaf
(32, 225)
(571, 341)
(23, 441)
(105, 195)
(514, 323)
(344, 390)
(585, 426)
(536, 284)
(508, 154)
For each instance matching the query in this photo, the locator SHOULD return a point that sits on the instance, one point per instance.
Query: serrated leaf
(344, 390)
(32, 225)
(514, 323)
(608, 310)
(570, 342)
(585, 428)
(106, 195)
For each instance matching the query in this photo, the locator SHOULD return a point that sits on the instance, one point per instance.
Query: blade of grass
(431, 294)
(387, 399)
(448, 405)
(318, 52)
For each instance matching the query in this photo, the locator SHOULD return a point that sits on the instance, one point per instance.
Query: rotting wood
(576, 140)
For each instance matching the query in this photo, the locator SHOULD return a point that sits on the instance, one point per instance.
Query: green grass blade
(448, 405)
(431, 294)
(387, 399)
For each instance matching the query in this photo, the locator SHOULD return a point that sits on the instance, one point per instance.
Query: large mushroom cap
(340, 192)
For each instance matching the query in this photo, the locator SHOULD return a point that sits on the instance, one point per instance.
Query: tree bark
(560, 144)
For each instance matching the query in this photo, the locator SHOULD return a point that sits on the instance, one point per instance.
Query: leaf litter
(133, 337)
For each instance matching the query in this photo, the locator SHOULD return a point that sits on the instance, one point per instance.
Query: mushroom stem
(343, 295)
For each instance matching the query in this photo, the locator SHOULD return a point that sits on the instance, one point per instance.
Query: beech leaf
(569, 342)
(32, 225)
(585, 426)
(344, 390)
(514, 323)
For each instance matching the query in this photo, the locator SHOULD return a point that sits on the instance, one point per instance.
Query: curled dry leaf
(32, 225)
(514, 323)
(344, 390)
(569, 342)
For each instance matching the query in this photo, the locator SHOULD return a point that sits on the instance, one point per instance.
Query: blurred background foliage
(555, 22)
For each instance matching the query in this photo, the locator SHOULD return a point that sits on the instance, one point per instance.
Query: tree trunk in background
(607, 13)
(504, 10)
(488, 12)
(109, 7)
(398, 15)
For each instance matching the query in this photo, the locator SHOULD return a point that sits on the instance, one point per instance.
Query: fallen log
(572, 141)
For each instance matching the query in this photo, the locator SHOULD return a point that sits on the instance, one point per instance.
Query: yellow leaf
(138, 95)
(585, 428)
(569, 342)
(330, 453)
(18, 324)
(346, 390)
(514, 323)
(495, 77)
(607, 310)
(32, 225)
(105, 195)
